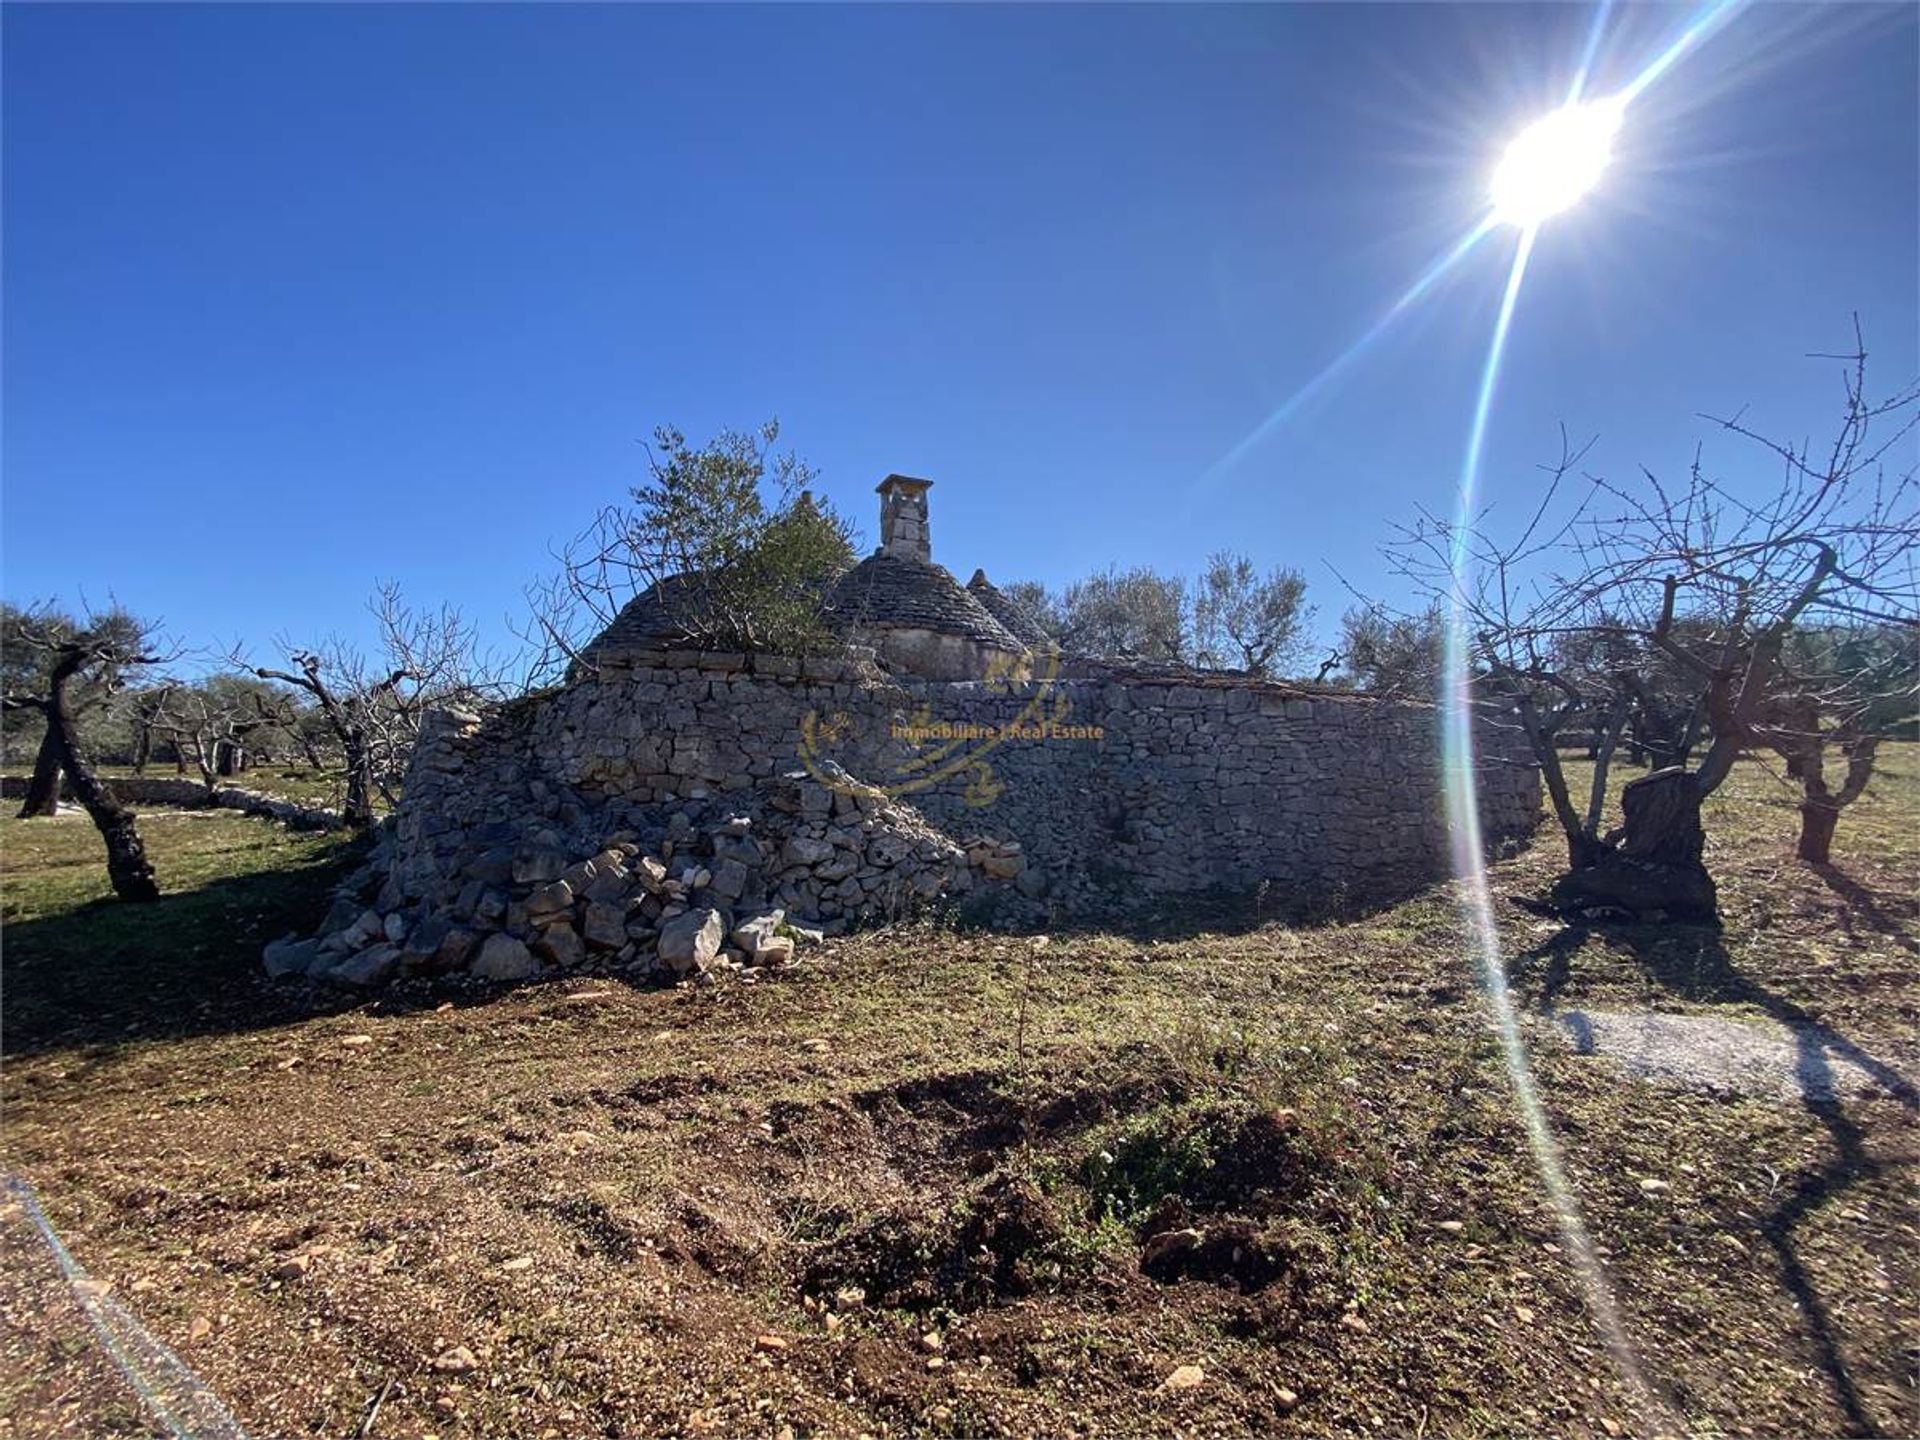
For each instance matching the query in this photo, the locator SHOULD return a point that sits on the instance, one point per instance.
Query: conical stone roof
(889, 591)
(1015, 617)
(664, 616)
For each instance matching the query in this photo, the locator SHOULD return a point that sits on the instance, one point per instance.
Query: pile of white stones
(690, 903)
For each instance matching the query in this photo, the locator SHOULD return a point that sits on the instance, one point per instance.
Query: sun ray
(1602, 117)
(1710, 19)
(1469, 863)
(1338, 365)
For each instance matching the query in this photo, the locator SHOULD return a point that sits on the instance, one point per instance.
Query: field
(300, 783)
(1207, 1177)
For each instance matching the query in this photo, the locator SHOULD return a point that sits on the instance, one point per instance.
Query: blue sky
(297, 298)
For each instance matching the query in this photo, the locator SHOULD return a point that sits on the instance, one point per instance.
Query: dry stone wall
(684, 811)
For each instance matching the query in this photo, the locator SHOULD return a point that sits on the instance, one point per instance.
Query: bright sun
(1554, 162)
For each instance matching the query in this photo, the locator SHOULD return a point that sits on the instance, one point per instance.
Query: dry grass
(608, 1194)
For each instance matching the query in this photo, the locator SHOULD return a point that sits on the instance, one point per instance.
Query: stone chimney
(903, 517)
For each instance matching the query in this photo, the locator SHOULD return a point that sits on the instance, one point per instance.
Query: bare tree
(1608, 584)
(374, 705)
(213, 723)
(110, 646)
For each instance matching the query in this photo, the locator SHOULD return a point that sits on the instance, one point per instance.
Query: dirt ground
(1204, 1177)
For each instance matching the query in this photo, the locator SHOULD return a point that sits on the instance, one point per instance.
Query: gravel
(1763, 1058)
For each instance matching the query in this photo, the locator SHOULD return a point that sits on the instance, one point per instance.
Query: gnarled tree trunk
(127, 864)
(43, 790)
(1820, 808)
(1817, 822)
(359, 807)
(1656, 869)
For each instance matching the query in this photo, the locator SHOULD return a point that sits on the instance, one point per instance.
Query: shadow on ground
(110, 973)
(1693, 963)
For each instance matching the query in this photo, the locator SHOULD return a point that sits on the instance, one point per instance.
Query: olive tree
(1246, 620)
(94, 654)
(730, 528)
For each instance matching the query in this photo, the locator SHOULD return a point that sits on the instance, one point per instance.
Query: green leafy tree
(97, 654)
(1248, 621)
(1386, 653)
(30, 648)
(1136, 614)
(728, 531)
(1037, 601)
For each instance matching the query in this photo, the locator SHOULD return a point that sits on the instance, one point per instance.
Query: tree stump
(1656, 871)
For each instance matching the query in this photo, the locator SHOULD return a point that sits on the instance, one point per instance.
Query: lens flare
(1476, 895)
(1548, 168)
(1279, 416)
(1555, 162)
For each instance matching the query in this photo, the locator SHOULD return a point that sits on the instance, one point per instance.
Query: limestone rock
(751, 933)
(290, 957)
(608, 885)
(730, 879)
(560, 945)
(689, 942)
(550, 899)
(363, 932)
(1003, 867)
(342, 913)
(605, 925)
(538, 865)
(370, 967)
(456, 947)
(803, 850)
(492, 867)
(423, 941)
(505, 958)
(775, 951)
(842, 864)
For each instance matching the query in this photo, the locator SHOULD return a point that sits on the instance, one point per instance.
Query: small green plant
(1161, 1153)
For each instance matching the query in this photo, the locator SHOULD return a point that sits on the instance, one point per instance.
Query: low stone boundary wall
(190, 795)
(1125, 785)
(677, 814)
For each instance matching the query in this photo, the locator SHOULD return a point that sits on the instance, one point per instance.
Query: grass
(83, 968)
(324, 788)
(610, 1195)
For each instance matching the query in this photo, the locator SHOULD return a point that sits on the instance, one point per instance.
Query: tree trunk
(359, 809)
(311, 748)
(142, 746)
(127, 864)
(1820, 807)
(1656, 871)
(43, 790)
(1817, 821)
